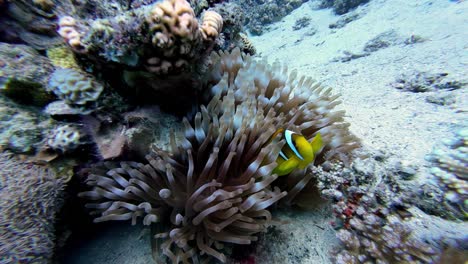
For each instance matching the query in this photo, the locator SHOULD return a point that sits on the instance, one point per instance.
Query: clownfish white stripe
(288, 136)
(283, 156)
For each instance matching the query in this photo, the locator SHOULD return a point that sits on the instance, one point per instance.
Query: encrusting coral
(75, 87)
(30, 197)
(216, 183)
(161, 38)
(451, 172)
(65, 138)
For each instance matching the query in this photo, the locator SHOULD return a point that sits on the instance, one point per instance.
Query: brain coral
(65, 138)
(216, 184)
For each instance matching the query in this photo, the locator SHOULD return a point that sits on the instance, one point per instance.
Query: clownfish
(297, 153)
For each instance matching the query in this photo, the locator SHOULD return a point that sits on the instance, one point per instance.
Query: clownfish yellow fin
(317, 143)
(286, 167)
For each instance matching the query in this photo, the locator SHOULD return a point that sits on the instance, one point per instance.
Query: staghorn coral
(31, 196)
(215, 184)
(451, 173)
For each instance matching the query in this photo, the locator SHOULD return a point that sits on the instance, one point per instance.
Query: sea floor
(362, 60)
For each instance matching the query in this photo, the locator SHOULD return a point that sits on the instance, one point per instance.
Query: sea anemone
(217, 182)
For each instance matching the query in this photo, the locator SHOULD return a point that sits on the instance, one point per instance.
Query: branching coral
(217, 182)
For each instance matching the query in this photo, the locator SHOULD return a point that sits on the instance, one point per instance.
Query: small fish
(298, 153)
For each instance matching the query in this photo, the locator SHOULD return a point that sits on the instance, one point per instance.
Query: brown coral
(247, 45)
(172, 20)
(68, 31)
(211, 26)
(175, 32)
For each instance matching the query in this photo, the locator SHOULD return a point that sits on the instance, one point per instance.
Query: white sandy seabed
(400, 124)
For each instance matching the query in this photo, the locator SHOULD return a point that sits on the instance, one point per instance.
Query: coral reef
(161, 38)
(23, 63)
(74, 87)
(341, 7)
(370, 211)
(451, 173)
(233, 21)
(216, 183)
(371, 239)
(383, 40)
(420, 82)
(301, 23)
(30, 22)
(260, 15)
(31, 196)
(247, 46)
(65, 139)
(21, 129)
(62, 57)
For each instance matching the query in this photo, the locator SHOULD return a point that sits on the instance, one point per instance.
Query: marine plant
(217, 182)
